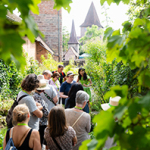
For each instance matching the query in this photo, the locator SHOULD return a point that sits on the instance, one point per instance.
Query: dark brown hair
(55, 75)
(30, 82)
(57, 121)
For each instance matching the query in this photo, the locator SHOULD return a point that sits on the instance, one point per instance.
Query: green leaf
(108, 32)
(126, 1)
(145, 101)
(126, 122)
(32, 26)
(135, 32)
(63, 3)
(34, 8)
(119, 112)
(84, 145)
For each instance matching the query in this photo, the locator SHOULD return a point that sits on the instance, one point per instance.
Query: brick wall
(40, 50)
(50, 24)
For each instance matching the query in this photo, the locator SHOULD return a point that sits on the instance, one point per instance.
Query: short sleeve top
(51, 92)
(30, 102)
(37, 97)
(65, 141)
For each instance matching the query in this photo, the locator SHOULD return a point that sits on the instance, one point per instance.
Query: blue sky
(79, 9)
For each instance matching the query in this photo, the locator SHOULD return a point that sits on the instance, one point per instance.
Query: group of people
(38, 119)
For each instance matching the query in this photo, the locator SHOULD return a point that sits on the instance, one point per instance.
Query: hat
(81, 96)
(112, 102)
(70, 73)
(42, 83)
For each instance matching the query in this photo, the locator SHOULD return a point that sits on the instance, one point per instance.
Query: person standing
(49, 96)
(62, 77)
(57, 134)
(29, 84)
(85, 80)
(47, 74)
(70, 102)
(55, 82)
(79, 120)
(37, 97)
(65, 87)
(24, 138)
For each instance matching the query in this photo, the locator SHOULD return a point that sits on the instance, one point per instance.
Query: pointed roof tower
(73, 37)
(91, 18)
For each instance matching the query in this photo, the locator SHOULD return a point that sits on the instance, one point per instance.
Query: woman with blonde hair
(58, 135)
(24, 138)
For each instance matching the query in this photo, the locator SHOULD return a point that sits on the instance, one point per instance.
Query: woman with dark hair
(85, 80)
(24, 138)
(58, 135)
(29, 84)
(70, 101)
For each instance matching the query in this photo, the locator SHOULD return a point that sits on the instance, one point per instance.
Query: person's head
(30, 83)
(81, 98)
(60, 68)
(55, 76)
(57, 121)
(70, 76)
(42, 84)
(74, 89)
(72, 93)
(82, 73)
(21, 114)
(47, 74)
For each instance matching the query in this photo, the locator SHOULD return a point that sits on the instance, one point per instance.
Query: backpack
(10, 144)
(9, 115)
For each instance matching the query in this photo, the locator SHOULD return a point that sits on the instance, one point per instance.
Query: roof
(73, 50)
(73, 37)
(13, 17)
(91, 18)
(39, 39)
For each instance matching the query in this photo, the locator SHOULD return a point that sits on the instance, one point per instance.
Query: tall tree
(65, 39)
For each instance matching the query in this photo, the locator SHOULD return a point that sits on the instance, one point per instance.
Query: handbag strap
(21, 97)
(49, 98)
(77, 119)
(11, 132)
(22, 136)
(56, 143)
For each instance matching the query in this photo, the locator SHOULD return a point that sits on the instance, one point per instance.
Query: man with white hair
(49, 95)
(47, 74)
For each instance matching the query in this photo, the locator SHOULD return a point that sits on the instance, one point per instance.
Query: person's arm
(74, 141)
(55, 99)
(4, 143)
(88, 84)
(38, 113)
(36, 140)
(40, 107)
(62, 95)
(78, 79)
(88, 127)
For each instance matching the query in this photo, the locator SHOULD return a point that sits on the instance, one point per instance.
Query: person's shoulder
(68, 110)
(34, 133)
(64, 83)
(86, 115)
